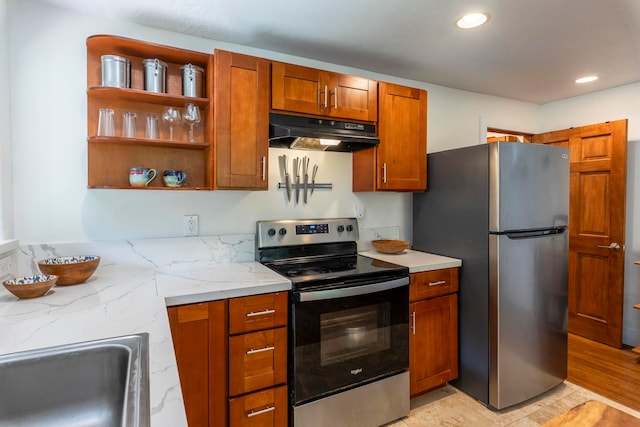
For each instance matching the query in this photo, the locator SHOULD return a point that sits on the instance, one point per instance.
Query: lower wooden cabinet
(267, 408)
(199, 334)
(232, 360)
(433, 354)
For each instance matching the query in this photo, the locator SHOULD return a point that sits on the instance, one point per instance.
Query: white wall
(52, 203)
(6, 187)
(614, 104)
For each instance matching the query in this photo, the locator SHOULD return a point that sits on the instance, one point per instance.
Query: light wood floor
(608, 371)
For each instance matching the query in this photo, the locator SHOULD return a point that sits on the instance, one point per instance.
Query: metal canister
(116, 71)
(192, 79)
(155, 75)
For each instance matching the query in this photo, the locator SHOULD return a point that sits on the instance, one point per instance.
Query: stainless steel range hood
(305, 133)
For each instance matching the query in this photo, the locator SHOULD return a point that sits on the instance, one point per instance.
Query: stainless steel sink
(95, 383)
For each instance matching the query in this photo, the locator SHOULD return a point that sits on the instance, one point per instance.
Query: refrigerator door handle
(533, 233)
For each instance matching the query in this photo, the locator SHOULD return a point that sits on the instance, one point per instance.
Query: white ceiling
(531, 50)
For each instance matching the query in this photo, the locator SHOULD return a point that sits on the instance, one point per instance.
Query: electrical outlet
(190, 225)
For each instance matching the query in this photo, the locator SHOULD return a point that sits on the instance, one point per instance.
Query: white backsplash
(367, 234)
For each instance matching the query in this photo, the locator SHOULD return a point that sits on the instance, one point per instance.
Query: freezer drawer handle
(253, 413)
(439, 282)
(614, 246)
(260, 313)
(260, 350)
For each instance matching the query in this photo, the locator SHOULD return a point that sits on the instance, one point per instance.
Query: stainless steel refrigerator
(503, 209)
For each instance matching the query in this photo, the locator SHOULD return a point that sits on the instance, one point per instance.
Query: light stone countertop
(416, 261)
(129, 294)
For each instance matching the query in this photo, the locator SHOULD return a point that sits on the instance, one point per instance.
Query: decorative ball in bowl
(390, 246)
(30, 286)
(71, 270)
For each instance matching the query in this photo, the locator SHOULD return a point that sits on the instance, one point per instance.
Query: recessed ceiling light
(587, 79)
(472, 20)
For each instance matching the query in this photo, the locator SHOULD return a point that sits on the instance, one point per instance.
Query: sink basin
(95, 383)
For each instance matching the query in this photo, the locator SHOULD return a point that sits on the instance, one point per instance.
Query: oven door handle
(353, 290)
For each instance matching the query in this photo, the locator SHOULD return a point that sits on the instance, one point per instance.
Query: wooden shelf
(161, 143)
(107, 94)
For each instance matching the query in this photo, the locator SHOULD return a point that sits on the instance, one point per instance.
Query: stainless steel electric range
(348, 325)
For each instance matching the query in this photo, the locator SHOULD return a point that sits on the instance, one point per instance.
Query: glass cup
(128, 124)
(106, 125)
(151, 130)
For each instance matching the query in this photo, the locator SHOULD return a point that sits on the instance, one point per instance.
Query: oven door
(346, 337)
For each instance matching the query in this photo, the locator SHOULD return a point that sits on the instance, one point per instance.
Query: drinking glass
(128, 124)
(151, 130)
(171, 116)
(106, 125)
(191, 117)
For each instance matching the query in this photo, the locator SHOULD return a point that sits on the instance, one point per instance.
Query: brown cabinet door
(429, 284)
(433, 354)
(307, 90)
(399, 163)
(268, 408)
(353, 97)
(241, 121)
(199, 340)
(257, 360)
(257, 312)
(298, 89)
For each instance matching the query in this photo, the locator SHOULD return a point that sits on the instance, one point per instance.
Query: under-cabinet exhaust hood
(305, 133)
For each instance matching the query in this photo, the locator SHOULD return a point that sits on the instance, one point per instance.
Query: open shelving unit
(110, 157)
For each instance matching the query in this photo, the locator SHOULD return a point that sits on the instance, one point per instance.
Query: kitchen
(58, 208)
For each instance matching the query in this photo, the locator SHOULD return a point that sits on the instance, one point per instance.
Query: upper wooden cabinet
(399, 163)
(110, 157)
(241, 121)
(306, 90)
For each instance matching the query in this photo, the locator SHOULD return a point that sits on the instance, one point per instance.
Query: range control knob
(271, 232)
(340, 228)
(282, 231)
(349, 227)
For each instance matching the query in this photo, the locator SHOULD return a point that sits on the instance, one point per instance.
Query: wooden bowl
(30, 286)
(390, 246)
(70, 270)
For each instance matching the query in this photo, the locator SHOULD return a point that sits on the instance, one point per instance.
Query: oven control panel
(305, 231)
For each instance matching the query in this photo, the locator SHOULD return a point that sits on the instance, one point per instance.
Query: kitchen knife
(313, 178)
(305, 173)
(287, 179)
(296, 166)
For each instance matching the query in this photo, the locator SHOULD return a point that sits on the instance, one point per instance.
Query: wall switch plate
(359, 210)
(190, 225)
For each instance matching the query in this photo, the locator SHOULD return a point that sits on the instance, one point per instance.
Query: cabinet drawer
(428, 284)
(266, 408)
(257, 360)
(257, 312)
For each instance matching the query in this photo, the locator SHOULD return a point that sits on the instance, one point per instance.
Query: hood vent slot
(306, 133)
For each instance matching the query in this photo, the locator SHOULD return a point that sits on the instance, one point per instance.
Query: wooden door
(353, 98)
(433, 355)
(199, 341)
(241, 121)
(298, 89)
(598, 158)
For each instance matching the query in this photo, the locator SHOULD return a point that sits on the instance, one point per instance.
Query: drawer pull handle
(260, 313)
(413, 323)
(439, 282)
(253, 413)
(260, 350)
